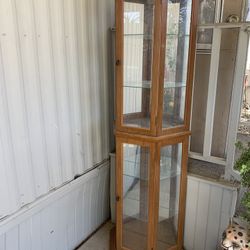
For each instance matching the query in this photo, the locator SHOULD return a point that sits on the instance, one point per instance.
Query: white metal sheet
(54, 77)
(63, 220)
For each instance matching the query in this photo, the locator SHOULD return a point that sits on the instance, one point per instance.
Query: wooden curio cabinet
(155, 50)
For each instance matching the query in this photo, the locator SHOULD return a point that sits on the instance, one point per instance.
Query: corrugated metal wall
(64, 220)
(53, 94)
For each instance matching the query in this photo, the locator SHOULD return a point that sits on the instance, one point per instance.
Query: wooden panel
(183, 193)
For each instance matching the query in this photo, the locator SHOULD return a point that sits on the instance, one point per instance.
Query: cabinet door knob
(118, 62)
(117, 198)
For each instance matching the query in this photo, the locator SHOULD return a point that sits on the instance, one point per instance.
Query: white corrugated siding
(208, 211)
(53, 94)
(63, 220)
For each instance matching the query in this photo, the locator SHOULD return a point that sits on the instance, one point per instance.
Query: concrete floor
(100, 240)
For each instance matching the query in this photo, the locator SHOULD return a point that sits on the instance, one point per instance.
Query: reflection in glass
(204, 39)
(199, 108)
(138, 44)
(206, 16)
(226, 71)
(170, 169)
(246, 16)
(135, 196)
(207, 11)
(176, 62)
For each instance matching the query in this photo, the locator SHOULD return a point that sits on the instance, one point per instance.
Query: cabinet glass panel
(206, 14)
(176, 62)
(170, 169)
(137, 72)
(135, 196)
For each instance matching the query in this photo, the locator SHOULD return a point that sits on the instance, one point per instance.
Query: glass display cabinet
(155, 50)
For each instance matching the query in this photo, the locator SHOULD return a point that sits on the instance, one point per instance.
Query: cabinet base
(112, 240)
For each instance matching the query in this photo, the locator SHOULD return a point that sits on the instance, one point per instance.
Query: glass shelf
(132, 168)
(145, 122)
(133, 34)
(147, 85)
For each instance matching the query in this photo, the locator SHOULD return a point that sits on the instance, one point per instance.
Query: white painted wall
(62, 219)
(53, 95)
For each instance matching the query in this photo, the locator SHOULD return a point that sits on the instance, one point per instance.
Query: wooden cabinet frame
(154, 144)
(158, 64)
(155, 137)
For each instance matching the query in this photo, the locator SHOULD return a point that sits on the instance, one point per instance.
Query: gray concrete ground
(100, 240)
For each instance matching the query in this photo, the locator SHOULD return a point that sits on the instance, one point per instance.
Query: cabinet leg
(112, 241)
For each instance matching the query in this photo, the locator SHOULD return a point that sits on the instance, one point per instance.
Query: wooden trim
(183, 191)
(134, 130)
(133, 139)
(146, 140)
(157, 192)
(112, 239)
(176, 129)
(151, 203)
(174, 248)
(119, 192)
(156, 65)
(191, 61)
(119, 9)
(162, 67)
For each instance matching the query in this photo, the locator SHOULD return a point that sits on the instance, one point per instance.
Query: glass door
(135, 196)
(170, 172)
(138, 34)
(175, 80)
